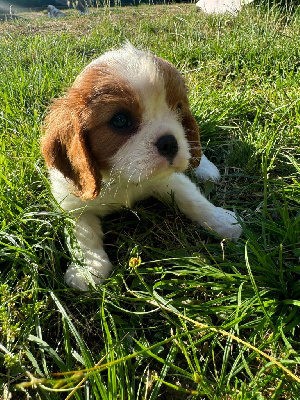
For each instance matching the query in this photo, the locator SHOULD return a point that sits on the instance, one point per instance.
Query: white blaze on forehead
(141, 71)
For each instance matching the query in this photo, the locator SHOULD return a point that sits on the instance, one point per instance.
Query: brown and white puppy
(123, 132)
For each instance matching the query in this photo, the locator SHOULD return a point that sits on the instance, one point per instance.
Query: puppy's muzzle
(167, 146)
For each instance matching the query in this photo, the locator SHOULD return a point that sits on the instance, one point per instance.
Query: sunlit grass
(195, 318)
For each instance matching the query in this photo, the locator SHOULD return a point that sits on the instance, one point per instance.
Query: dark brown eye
(179, 107)
(179, 110)
(121, 121)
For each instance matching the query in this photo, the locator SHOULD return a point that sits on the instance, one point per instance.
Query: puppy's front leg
(207, 170)
(197, 208)
(89, 236)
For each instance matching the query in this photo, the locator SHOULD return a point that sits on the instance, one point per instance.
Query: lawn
(184, 315)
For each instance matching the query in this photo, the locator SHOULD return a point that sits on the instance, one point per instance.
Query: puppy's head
(126, 117)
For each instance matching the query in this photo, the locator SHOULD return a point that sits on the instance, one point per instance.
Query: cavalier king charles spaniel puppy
(123, 132)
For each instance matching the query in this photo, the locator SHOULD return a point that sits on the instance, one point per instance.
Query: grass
(183, 316)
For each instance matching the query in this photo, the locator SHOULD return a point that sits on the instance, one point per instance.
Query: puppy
(123, 132)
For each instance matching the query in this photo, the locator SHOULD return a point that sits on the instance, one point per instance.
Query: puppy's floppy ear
(192, 133)
(64, 146)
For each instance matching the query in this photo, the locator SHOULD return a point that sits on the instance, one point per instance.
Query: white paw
(207, 170)
(78, 277)
(225, 224)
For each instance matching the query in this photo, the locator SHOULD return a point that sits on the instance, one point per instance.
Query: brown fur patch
(112, 95)
(79, 140)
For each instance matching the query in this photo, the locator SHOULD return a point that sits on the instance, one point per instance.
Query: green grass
(189, 317)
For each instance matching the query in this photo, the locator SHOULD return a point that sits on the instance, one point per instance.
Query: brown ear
(64, 147)
(192, 133)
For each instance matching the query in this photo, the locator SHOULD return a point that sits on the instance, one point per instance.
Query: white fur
(117, 195)
(207, 171)
(139, 171)
(129, 161)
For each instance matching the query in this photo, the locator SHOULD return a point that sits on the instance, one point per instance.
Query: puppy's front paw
(225, 224)
(207, 170)
(79, 278)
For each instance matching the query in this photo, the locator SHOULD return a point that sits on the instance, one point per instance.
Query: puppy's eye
(178, 110)
(179, 107)
(121, 121)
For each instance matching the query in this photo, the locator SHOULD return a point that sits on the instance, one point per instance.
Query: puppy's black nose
(167, 146)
